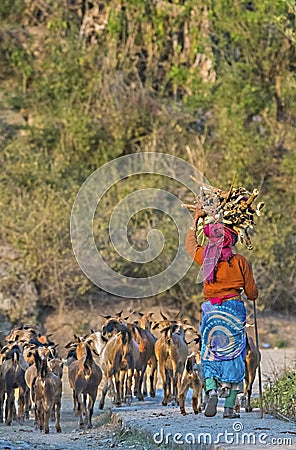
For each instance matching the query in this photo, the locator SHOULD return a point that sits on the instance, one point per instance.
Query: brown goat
(12, 375)
(146, 342)
(117, 358)
(23, 333)
(171, 352)
(252, 361)
(129, 358)
(84, 377)
(146, 323)
(47, 394)
(192, 378)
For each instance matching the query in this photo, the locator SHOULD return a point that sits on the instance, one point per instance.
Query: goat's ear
(107, 317)
(165, 330)
(70, 344)
(37, 361)
(156, 325)
(118, 315)
(150, 314)
(189, 329)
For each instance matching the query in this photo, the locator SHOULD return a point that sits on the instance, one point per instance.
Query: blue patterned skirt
(224, 341)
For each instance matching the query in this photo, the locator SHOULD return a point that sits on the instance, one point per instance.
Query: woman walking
(226, 275)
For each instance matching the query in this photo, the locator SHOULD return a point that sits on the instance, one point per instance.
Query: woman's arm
(193, 248)
(250, 286)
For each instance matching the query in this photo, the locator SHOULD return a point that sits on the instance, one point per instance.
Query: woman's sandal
(230, 414)
(211, 406)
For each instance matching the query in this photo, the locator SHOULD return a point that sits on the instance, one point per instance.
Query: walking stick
(259, 365)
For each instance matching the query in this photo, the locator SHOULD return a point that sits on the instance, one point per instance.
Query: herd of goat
(125, 353)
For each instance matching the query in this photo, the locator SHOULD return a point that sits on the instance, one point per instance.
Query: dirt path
(133, 427)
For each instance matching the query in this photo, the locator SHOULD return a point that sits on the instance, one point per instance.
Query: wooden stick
(259, 365)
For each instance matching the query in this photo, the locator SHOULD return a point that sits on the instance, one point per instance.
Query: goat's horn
(163, 316)
(177, 315)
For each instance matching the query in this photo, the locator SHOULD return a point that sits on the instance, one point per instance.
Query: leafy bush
(279, 398)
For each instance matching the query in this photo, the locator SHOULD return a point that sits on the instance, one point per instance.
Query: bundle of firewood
(233, 208)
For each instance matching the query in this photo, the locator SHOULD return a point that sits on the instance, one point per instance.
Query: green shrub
(279, 398)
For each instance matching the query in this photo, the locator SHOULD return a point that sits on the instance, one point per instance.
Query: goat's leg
(79, 409)
(14, 415)
(75, 409)
(91, 403)
(9, 405)
(52, 413)
(249, 392)
(1, 405)
(140, 381)
(153, 377)
(237, 405)
(21, 405)
(137, 380)
(58, 415)
(46, 420)
(199, 397)
(168, 385)
(145, 390)
(175, 389)
(40, 415)
(35, 415)
(179, 381)
(104, 392)
(122, 378)
(117, 388)
(84, 408)
(183, 393)
(27, 404)
(129, 382)
(163, 374)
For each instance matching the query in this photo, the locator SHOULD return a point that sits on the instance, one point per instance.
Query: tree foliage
(85, 82)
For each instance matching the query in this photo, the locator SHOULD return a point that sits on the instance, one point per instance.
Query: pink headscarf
(221, 239)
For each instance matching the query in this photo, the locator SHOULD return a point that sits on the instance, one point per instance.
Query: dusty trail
(151, 417)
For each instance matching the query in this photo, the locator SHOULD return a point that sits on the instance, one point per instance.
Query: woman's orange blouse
(230, 278)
